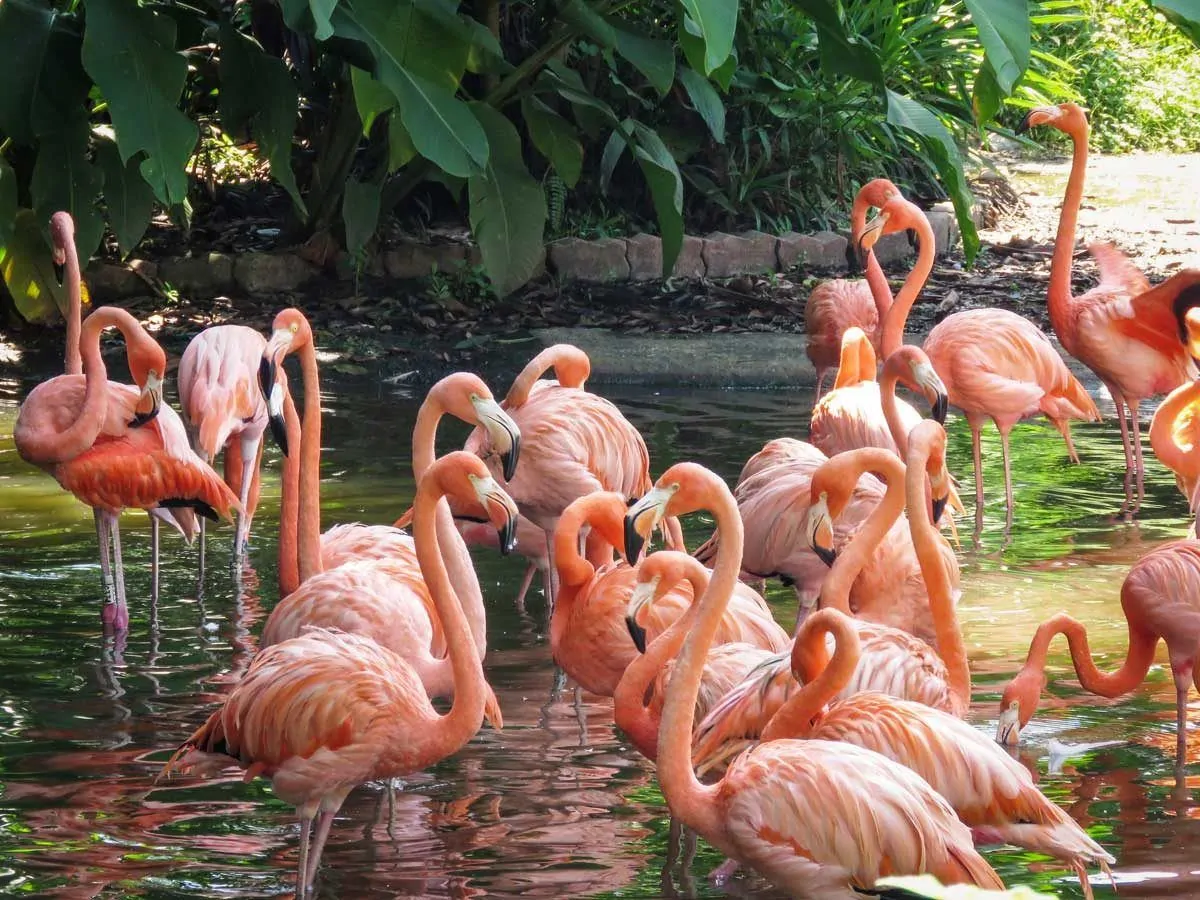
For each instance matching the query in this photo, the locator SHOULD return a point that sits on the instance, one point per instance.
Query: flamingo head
(62, 236)
(1017, 706)
(829, 492)
(682, 489)
(656, 575)
(148, 366)
(913, 368)
(466, 397)
(897, 214)
(463, 477)
(932, 437)
(290, 332)
(819, 529)
(1070, 118)
(876, 193)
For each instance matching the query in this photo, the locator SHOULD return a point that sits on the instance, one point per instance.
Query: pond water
(558, 804)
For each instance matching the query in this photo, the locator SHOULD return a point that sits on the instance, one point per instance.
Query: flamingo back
(353, 541)
(832, 307)
(1161, 596)
(218, 385)
(852, 417)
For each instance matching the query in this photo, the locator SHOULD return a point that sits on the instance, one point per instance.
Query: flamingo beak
(501, 510)
(149, 401)
(268, 382)
(643, 594)
(1039, 115)
(820, 531)
(871, 234)
(1008, 729)
(505, 435)
(643, 517)
(934, 389)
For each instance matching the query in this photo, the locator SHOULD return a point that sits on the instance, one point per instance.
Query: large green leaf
(401, 34)
(24, 35)
(693, 51)
(666, 190)
(706, 100)
(1184, 14)
(360, 212)
(986, 96)
(129, 199)
(913, 116)
(401, 150)
(842, 53)
(130, 52)
(259, 100)
(585, 20)
(554, 138)
(8, 199)
(1004, 31)
(717, 20)
(371, 98)
(508, 207)
(314, 15)
(64, 179)
(27, 265)
(653, 57)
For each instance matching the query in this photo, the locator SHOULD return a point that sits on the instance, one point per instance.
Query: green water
(557, 804)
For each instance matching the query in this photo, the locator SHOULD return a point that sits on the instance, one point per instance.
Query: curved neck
(1058, 294)
(309, 536)
(693, 802)
(575, 570)
(74, 360)
(822, 678)
(856, 363)
(881, 291)
(1138, 657)
(571, 368)
(289, 503)
(927, 541)
(835, 590)
(630, 711)
(457, 727)
(1162, 428)
(891, 410)
(897, 316)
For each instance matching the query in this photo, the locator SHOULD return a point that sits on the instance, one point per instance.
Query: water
(557, 804)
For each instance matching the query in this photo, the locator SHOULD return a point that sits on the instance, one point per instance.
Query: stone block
(604, 260)
(108, 282)
(892, 248)
(829, 250)
(413, 260)
(199, 276)
(644, 252)
(945, 230)
(750, 252)
(690, 262)
(794, 249)
(271, 273)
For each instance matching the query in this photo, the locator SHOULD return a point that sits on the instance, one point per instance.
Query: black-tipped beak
(854, 263)
(140, 419)
(508, 536)
(509, 460)
(939, 408)
(634, 542)
(637, 632)
(1024, 125)
(939, 507)
(266, 375)
(827, 555)
(266, 382)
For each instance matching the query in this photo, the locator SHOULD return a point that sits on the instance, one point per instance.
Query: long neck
(1162, 428)
(310, 468)
(695, 803)
(74, 359)
(289, 503)
(822, 678)
(891, 410)
(1138, 657)
(835, 591)
(574, 570)
(555, 358)
(630, 711)
(1058, 294)
(897, 316)
(457, 727)
(881, 291)
(927, 541)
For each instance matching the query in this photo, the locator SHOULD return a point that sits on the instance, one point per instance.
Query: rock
(892, 248)
(794, 249)
(830, 250)
(412, 260)
(690, 262)
(644, 252)
(108, 282)
(271, 273)
(604, 260)
(945, 230)
(198, 276)
(750, 252)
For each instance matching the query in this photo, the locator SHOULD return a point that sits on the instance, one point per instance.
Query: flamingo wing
(737, 720)
(1154, 315)
(1117, 271)
(218, 385)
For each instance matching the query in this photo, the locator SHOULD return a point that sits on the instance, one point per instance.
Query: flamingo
(1175, 428)
(1161, 601)
(588, 635)
(1122, 329)
(223, 409)
(116, 447)
(839, 304)
(648, 674)
(576, 443)
(786, 807)
(994, 363)
(326, 711)
(992, 793)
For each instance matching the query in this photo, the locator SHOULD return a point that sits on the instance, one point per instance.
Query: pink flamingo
(1122, 329)
(107, 444)
(839, 304)
(324, 712)
(994, 363)
(224, 410)
(588, 634)
(992, 793)
(1175, 428)
(786, 807)
(1161, 601)
(576, 443)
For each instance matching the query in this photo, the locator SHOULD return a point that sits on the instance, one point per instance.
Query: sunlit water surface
(557, 804)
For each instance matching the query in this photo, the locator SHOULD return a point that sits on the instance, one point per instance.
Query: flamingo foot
(115, 616)
(722, 873)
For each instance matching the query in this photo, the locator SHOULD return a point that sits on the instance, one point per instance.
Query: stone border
(608, 260)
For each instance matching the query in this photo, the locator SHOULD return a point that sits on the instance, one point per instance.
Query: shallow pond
(557, 804)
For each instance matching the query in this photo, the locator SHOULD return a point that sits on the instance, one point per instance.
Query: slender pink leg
(1181, 699)
(154, 544)
(250, 456)
(302, 862)
(106, 574)
(525, 583)
(1123, 421)
(122, 620)
(977, 453)
(1008, 488)
(821, 373)
(1135, 437)
(320, 835)
(552, 575)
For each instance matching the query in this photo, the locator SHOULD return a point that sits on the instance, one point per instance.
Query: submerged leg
(526, 581)
(552, 576)
(106, 574)
(154, 547)
(121, 622)
(302, 862)
(320, 835)
(1119, 403)
(977, 454)
(1135, 437)
(251, 448)
(1008, 488)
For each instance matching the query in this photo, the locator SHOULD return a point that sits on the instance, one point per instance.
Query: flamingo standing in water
(224, 409)
(1161, 601)
(786, 807)
(324, 712)
(106, 443)
(1122, 329)
(837, 305)
(993, 794)
(994, 363)
(1175, 428)
(576, 443)
(588, 635)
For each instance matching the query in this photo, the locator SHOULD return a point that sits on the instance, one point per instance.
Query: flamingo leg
(526, 581)
(121, 622)
(106, 575)
(203, 544)
(977, 454)
(251, 447)
(302, 862)
(551, 577)
(154, 544)
(320, 835)
(1008, 488)
(821, 374)
(1119, 403)
(1181, 699)
(1135, 438)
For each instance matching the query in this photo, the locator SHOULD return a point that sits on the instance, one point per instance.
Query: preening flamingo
(786, 807)
(224, 409)
(588, 634)
(1122, 329)
(1161, 601)
(992, 793)
(575, 443)
(324, 712)
(117, 447)
(841, 303)
(638, 698)
(994, 363)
